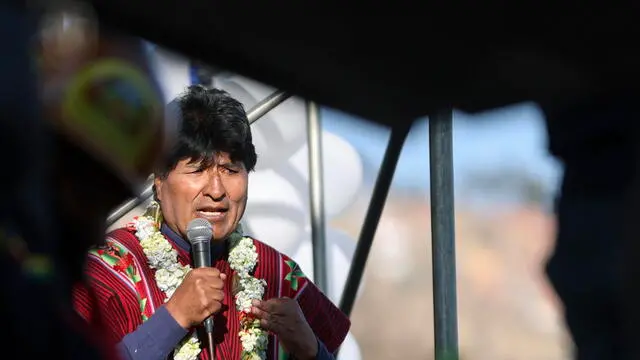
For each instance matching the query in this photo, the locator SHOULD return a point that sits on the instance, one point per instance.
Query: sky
(511, 138)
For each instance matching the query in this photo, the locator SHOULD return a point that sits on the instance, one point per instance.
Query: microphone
(199, 233)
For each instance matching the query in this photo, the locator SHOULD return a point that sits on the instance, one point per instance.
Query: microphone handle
(208, 325)
(202, 258)
(202, 254)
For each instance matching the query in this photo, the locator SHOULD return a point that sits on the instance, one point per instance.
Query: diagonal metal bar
(254, 114)
(267, 104)
(131, 204)
(372, 218)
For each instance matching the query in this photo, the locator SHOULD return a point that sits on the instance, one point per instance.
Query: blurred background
(505, 183)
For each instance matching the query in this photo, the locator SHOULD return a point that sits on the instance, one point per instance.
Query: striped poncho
(123, 293)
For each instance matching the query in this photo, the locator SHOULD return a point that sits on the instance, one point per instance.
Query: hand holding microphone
(198, 297)
(202, 291)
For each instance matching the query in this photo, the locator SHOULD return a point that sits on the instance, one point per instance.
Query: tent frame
(442, 215)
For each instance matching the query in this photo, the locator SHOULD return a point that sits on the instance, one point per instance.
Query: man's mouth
(212, 213)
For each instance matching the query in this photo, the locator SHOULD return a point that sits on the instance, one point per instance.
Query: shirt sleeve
(323, 353)
(329, 324)
(154, 339)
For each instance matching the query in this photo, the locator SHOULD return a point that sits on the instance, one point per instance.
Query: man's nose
(215, 187)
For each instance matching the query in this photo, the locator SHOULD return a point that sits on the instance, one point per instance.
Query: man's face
(217, 193)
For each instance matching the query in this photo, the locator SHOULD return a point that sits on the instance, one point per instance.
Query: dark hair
(212, 122)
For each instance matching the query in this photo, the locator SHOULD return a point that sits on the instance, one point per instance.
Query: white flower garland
(169, 274)
(243, 259)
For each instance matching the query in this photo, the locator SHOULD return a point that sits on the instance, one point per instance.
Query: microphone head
(199, 230)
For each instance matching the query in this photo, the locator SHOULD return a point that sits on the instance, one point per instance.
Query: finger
(276, 305)
(209, 285)
(214, 284)
(265, 305)
(270, 306)
(272, 324)
(209, 271)
(217, 295)
(265, 324)
(223, 276)
(259, 313)
(213, 307)
(257, 303)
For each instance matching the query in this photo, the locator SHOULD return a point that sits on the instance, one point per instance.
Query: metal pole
(443, 249)
(316, 195)
(266, 105)
(130, 205)
(255, 113)
(370, 225)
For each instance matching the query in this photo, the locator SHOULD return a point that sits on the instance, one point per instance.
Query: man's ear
(157, 188)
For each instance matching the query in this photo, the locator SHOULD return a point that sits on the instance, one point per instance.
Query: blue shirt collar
(216, 248)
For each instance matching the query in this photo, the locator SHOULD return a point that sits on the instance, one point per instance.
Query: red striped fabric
(115, 300)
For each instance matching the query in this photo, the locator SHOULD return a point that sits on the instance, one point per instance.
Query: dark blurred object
(81, 128)
(595, 140)
(99, 93)
(630, 259)
(103, 106)
(395, 61)
(33, 314)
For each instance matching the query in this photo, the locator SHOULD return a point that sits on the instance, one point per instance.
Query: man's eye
(229, 170)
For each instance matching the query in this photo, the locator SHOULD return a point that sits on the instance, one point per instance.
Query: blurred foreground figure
(90, 148)
(595, 139)
(107, 116)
